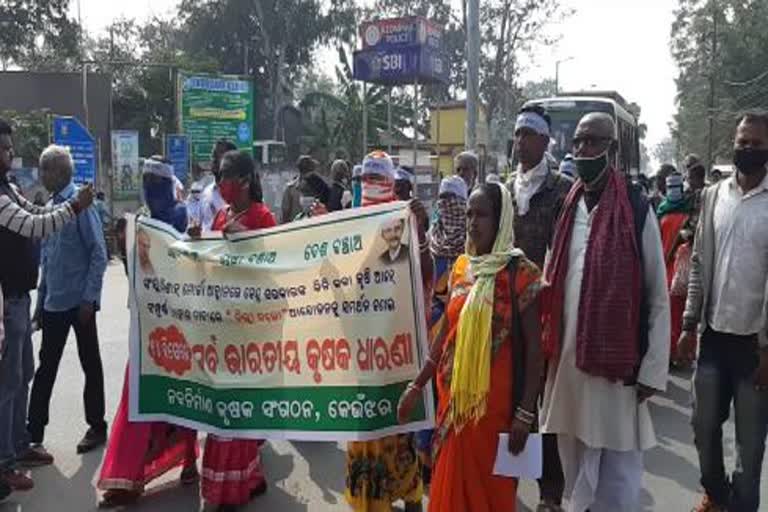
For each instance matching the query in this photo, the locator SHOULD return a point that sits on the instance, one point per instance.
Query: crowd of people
(559, 301)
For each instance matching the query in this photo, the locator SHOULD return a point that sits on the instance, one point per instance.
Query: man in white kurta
(603, 427)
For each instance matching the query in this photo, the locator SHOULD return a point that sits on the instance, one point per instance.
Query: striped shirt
(29, 220)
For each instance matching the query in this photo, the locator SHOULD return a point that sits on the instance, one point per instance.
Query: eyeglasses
(589, 140)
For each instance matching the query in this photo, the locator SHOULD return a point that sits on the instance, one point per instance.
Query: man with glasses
(539, 193)
(605, 327)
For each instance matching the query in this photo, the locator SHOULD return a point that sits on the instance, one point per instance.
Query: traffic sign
(177, 151)
(69, 132)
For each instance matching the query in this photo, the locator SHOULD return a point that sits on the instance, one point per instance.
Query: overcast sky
(621, 45)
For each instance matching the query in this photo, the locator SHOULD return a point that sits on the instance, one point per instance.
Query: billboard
(214, 107)
(400, 51)
(69, 132)
(126, 170)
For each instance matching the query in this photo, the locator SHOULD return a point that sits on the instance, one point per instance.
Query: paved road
(304, 477)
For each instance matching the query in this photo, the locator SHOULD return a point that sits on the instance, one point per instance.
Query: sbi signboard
(401, 51)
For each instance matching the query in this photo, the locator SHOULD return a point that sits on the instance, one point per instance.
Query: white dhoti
(598, 479)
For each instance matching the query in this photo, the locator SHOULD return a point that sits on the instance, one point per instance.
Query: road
(304, 477)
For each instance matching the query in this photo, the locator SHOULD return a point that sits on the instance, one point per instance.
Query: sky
(620, 45)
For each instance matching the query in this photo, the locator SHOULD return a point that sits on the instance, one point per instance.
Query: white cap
(379, 163)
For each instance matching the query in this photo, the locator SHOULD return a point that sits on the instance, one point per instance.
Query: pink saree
(138, 453)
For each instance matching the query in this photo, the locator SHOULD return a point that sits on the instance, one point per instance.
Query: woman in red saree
(674, 217)
(232, 471)
(140, 452)
(487, 361)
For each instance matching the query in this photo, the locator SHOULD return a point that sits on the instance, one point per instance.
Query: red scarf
(608, 331)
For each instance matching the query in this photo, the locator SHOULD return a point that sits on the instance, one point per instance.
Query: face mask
(374, 193)
(230, 190)
(589, 169)
(750, 161)
(674, 194)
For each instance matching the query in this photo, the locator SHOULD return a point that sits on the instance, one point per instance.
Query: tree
(31, 133)
(271, 41)
(721, 49)
(38, 35)
(666, 151)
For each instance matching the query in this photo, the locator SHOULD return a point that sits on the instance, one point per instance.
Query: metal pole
(415, 122)
(439, 149)
(710, 135)
(389, 121)
(365, 124)
(84, 79)
(557, 78)
(473, 76)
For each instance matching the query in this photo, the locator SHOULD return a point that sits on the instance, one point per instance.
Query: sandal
(118, 498)
(189, 475)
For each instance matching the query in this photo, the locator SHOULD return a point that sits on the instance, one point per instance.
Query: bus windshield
(565, 116)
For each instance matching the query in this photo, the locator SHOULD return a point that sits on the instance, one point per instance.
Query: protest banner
(306, 331)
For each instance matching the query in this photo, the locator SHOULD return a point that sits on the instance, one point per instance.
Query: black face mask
(750, 161)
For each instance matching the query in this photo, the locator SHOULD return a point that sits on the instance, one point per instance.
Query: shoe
(35, 456)
(260, 490)
(189, 475)
(549, 507)
(707, 505)
(118, 498)
(92, 440)
(17, 481)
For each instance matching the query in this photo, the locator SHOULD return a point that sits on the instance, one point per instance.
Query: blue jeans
(16, 370)
(724, 374)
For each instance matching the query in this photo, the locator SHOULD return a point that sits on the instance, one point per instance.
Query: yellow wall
(452, 123)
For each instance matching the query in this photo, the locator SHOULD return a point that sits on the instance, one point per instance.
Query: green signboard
(215, 107)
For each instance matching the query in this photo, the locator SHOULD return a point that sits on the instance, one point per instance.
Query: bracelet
(413, 385)
(525, 416)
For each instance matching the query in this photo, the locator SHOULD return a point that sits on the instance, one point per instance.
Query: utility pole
(473, 73)
(711, 110)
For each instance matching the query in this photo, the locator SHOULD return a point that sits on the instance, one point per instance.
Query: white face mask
(378, 192)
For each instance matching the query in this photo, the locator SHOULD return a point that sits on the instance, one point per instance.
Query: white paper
(527, 465)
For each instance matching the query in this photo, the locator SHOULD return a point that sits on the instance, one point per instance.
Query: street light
(557, 73)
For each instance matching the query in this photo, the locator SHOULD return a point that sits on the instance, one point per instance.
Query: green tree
(31, 133)
(721, 49)
(271, 41)
(38, 35)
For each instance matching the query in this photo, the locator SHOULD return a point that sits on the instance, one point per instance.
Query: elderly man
(466, 165)
(538, 193)
(291, 205)
(73, 264)
(20, 222)
(606, 327)
(728, 301)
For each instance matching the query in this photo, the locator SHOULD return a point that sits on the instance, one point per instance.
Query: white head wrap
(455, 185)
(532, 121)
(158, 169)
(379, 163)
(402, 174)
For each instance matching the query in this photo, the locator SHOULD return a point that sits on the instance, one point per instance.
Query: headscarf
(675, 201)
(471, 377)
(448, 235)
(160, 196)
(378, 163)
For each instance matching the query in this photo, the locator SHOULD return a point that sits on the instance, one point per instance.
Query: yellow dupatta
(471, 376)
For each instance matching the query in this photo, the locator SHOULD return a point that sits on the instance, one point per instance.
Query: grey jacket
(702, 268)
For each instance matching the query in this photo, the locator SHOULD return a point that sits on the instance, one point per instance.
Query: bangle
(413, 385)
(527, 421)
(524, 415)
